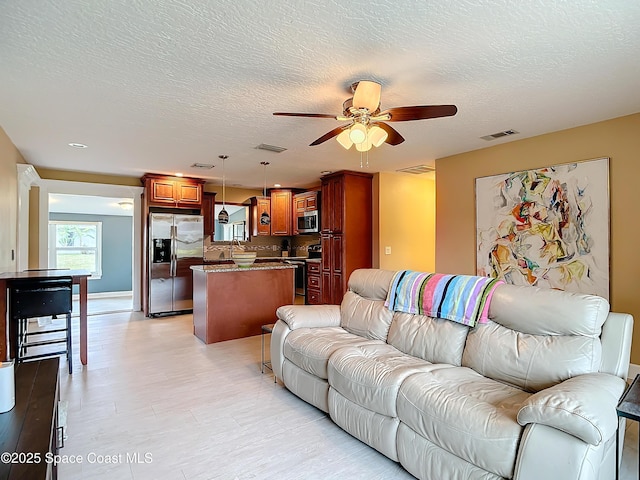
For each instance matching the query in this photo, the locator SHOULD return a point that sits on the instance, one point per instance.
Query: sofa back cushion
(536, 337)
(362, 310)
(433, 339)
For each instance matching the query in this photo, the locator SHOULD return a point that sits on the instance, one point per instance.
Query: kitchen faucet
(231, 246)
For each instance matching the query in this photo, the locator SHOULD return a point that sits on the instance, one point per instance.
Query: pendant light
(265, 219)
(223, 216)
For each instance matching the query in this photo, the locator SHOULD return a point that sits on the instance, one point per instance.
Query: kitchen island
(233, 302)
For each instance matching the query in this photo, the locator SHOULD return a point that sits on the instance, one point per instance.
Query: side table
(29, 432)
(266, 329)
(628, 407)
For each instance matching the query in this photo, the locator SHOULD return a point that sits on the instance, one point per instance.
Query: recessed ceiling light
(325, 172)
(178, 174)
(77, 145)
(277, 185)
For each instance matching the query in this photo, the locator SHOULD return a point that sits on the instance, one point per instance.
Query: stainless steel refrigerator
(176, 242)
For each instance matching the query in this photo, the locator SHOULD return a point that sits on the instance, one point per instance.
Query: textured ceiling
(155, 86)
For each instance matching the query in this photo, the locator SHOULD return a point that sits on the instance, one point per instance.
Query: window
(76, 245)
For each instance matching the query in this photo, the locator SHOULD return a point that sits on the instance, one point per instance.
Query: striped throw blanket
(460, 298)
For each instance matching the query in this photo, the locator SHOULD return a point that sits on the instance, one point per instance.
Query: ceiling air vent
(504, 133)
(204, 166)
(270, 148)
(418, 169)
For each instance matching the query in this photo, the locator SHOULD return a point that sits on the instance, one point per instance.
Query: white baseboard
(633, 371)
(76, 296)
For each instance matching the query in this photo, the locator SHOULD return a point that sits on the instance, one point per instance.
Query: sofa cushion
(530, 362)
(371, 375)
(433, 339)
(545, 311)
(537, 337)
(371, 283)
(310, 348)
(468, 415)
(364, 317)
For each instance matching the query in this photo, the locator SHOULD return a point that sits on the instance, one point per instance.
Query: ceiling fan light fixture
(364, 146)
(358, 133)
(344, 139)
(377, 135)
(367, 95)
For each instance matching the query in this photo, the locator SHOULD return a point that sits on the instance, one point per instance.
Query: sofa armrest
(583, 406)
(309, 316)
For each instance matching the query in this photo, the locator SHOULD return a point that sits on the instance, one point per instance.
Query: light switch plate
(387, 250)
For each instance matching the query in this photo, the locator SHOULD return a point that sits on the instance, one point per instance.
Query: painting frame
(547, 226)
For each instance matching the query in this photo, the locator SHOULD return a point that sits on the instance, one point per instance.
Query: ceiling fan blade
(333, 133)
(420, 112)
(314, 115)
(367, 95)
(393, 138)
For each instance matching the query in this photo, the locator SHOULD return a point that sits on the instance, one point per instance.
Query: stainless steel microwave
(308, 222)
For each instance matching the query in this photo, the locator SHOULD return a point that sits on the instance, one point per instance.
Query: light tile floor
(100, 304)
(156, 403)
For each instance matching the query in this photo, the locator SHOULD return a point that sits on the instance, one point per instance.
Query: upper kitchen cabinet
(332, 203)
(208, 213)
(259, 206)
(281, 219)
(278, 206)
(346, 230)
(305, 201)
(177, 192)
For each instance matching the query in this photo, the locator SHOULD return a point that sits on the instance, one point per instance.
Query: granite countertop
(234, 268)
(258, 259)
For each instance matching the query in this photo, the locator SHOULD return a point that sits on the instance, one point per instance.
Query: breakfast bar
(234, 302)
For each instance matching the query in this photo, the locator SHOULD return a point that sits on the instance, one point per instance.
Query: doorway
(115, 211)
(94, 233)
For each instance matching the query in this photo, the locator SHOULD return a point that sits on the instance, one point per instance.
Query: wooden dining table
(79, 277)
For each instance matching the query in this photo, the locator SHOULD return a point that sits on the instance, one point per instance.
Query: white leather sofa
(529, 395)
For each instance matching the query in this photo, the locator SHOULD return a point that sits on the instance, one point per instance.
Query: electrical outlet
(387, 250)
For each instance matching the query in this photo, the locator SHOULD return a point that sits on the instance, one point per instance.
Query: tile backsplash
(264, 246)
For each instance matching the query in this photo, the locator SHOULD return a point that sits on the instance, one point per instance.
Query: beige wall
(9, 158)
(618, 139)
(52, 174)
(404, 206)
(232, 194)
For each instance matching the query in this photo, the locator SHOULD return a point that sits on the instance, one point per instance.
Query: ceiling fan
(367, 127)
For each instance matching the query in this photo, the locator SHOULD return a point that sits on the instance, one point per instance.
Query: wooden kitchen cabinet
(332, 204)
(177, 192)
(346, 230)
(281, 218)
(208, 212)
(314, 283)
(258, 206)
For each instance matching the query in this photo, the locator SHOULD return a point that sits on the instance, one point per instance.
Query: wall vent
(270, 148)
(504, 133)
(418, 169)
(204, 166)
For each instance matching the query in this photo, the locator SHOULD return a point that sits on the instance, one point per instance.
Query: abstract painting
(547, 227)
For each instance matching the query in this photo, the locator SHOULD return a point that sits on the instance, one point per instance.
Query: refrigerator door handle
(172, 267)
